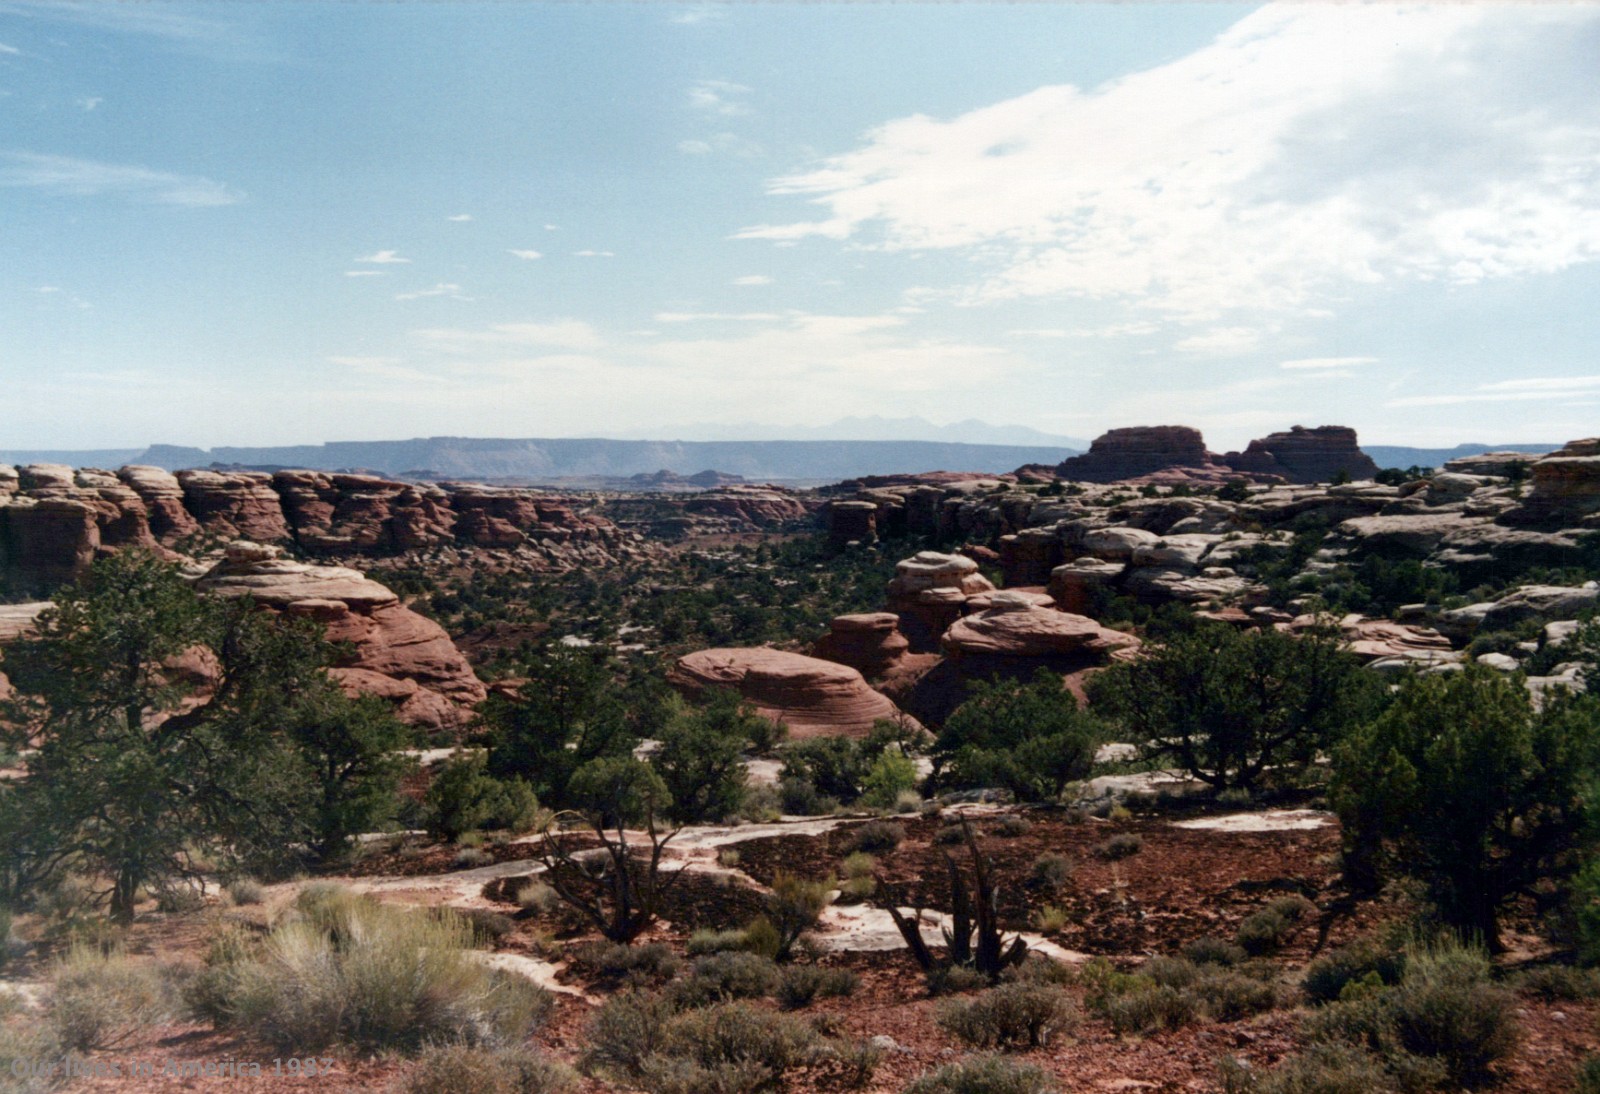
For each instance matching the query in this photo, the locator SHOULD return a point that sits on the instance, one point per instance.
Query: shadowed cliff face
(54, 520)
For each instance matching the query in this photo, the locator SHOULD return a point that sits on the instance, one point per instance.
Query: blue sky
(289, 223)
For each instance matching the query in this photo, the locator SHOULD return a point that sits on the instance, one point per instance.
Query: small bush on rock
(877, 836)
(1122, 846)
(1050, 872)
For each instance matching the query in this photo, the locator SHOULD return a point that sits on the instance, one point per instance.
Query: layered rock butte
(1178, 453)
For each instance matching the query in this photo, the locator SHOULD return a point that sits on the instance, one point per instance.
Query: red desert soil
(1180, 885)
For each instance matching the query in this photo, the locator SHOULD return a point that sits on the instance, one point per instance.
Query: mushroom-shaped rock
(1117, 544)
(870, 642)
(1382, 640)
(1036, 597)
(398, 654)
(1016, 626)
(929, 591)
(813, 697)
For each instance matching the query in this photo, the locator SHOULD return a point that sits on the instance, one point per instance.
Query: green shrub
(1121, 846)
(1213, 951)
(794, 906)
(348, 969)
(877, 836)
(983, 1075)
(463, 797)
(1329, 1069)
(1039, 969)
(472, 858)
(720, 977)
(244, 890)
(762, 938)
(1446, 1008)
(1262, 932)
(1559, 982)
(1326, 977)
(702, 1049)
(891, 775)
(1587, 1080)
(625, 1031)
(100, 1000)
(802, 984)
(464, 1069)
(798, 797)
(859, 864)
(618, 963)
(952, 979)
(1149, 1009)
(487, 926)
(538, 898)
(1014, 1015)
(1050, 918)
(1291, 908)
(1050, 872)
(1011, 826)
(706, 941)
(949, 834)
(1228, 996)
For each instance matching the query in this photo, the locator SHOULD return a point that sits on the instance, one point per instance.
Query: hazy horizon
(286, 224)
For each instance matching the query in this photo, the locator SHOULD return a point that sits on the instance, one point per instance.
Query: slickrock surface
(398, 654)
(814, 698)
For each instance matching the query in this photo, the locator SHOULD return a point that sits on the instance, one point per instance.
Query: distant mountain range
(871, 428)
(807, 458)
(544, 459)
(1388, 455)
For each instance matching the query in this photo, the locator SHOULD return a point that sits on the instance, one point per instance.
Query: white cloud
(752, 279)
(728, 144)
(1310, 149)
(384, 258)
(90, 103)
(363, 273)
(718, 97)
(700, 13)
(460, 218)
(1221, 340)
(525, 254)
(89, 178)
(552, 227)
(449, 289)
(595, 254)
(1316, 363)
(1531, 389)
(560, 334)
(13, 50)
(1114, 330)
(715, 317)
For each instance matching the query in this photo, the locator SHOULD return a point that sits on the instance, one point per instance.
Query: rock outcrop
(395, 653)
(1139, 451)
(1564, 487)
(1176, 453)
(929, 592)
(1323, 454)
(813, 697)
(54, 520)
(1017, 625)
(870, 642)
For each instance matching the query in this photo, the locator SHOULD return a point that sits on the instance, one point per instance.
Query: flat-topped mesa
(814, 698)
(396, 654)
(1134, 451)
(1304, 455)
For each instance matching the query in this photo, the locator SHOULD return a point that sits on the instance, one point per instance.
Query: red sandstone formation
(870, 643)
(1175, 453)
(1016, 625)
(814, 698)
(929, 592)
(1306, 455)
(1564, 487)
(397, 654)
(54, 521)
(1138, 450)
